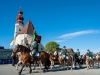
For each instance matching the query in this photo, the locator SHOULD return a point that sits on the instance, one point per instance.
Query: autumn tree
(51, 46)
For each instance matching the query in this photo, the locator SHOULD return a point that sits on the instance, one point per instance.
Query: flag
(33, 36)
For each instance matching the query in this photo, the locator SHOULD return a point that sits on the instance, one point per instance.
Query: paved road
(10, 70)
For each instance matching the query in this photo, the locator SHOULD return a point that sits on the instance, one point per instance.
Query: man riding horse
(89, 54)
(78, 52)
(63, 52)
(34, 48)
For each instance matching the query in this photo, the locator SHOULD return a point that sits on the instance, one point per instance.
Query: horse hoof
(30, 71)
(19, 73)
(43, 71)
(71, 69)
(33, 69)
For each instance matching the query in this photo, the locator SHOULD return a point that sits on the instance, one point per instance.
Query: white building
(24, 32)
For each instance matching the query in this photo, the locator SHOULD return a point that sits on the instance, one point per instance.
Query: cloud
(59, 40)
(74, 34)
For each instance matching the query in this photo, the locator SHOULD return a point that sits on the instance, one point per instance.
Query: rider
(56, 53)
(34, 48)
(99, 53)
(78, 52)
(88, 54)
(63, 51)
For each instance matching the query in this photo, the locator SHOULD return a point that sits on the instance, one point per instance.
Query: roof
(27, 29)
(68, 49)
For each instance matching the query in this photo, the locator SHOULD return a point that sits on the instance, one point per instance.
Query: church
(24, 33)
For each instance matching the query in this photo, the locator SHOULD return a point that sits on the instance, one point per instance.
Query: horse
(78, 60)
(43, 56)
(54, 58)
(88, 61)
(62, 60)
(98, 59)
(25, 56)
(69, 61)
(19, 57)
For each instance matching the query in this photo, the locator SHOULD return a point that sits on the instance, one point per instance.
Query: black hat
(88, 50)
(64, 46)
(78, 49)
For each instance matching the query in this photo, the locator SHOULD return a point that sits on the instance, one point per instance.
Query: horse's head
(17, 48)
(84, 56)
(52, 56)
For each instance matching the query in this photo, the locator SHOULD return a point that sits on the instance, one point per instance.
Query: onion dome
(20, 12)
(19, 18)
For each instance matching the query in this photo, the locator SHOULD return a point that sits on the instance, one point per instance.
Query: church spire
(19, 18)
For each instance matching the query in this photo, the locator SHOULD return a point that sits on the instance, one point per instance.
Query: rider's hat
(78, 49)
(88, 50)
(64, 46)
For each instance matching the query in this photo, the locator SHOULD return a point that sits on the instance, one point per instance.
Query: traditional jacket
(63, 51)
(78, 53)
(99, 54)
(35, 47)
(89, 54)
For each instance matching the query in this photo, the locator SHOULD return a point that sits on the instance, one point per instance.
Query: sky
(71, 23)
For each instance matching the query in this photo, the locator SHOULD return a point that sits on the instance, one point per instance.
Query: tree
(51, 46)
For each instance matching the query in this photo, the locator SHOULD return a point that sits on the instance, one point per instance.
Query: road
(10, 70)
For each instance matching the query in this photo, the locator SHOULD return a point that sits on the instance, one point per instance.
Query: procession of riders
(65, 57)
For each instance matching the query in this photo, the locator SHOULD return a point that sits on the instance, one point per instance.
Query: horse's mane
(24, 49)
(42, 51)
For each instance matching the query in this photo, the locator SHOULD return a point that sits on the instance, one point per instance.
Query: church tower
(19, 23)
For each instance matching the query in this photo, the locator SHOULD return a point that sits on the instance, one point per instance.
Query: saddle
(64, 57)
(89, 58)
(36, 54)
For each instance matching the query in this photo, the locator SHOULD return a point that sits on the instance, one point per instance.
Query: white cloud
(59, 40)
(74, 34)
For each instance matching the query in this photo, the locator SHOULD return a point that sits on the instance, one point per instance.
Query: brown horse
(98, 59)
(61, 60)
(53, 59)
(88, 61)
(69, 61)
(43, 58)
(27, 58)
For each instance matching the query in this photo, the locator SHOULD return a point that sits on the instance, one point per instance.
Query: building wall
(41, 47)
(18, 28)
(20, 39)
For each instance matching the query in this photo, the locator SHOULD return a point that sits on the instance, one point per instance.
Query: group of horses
(48, 60)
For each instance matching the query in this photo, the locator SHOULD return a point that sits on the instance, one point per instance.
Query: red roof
(28, 28)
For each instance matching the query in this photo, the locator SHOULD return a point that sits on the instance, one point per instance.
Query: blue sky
(73, 23)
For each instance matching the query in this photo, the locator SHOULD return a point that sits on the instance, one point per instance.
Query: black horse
(78, 60)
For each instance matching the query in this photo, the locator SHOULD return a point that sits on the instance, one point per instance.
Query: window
(22, 42)
(19, 29)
